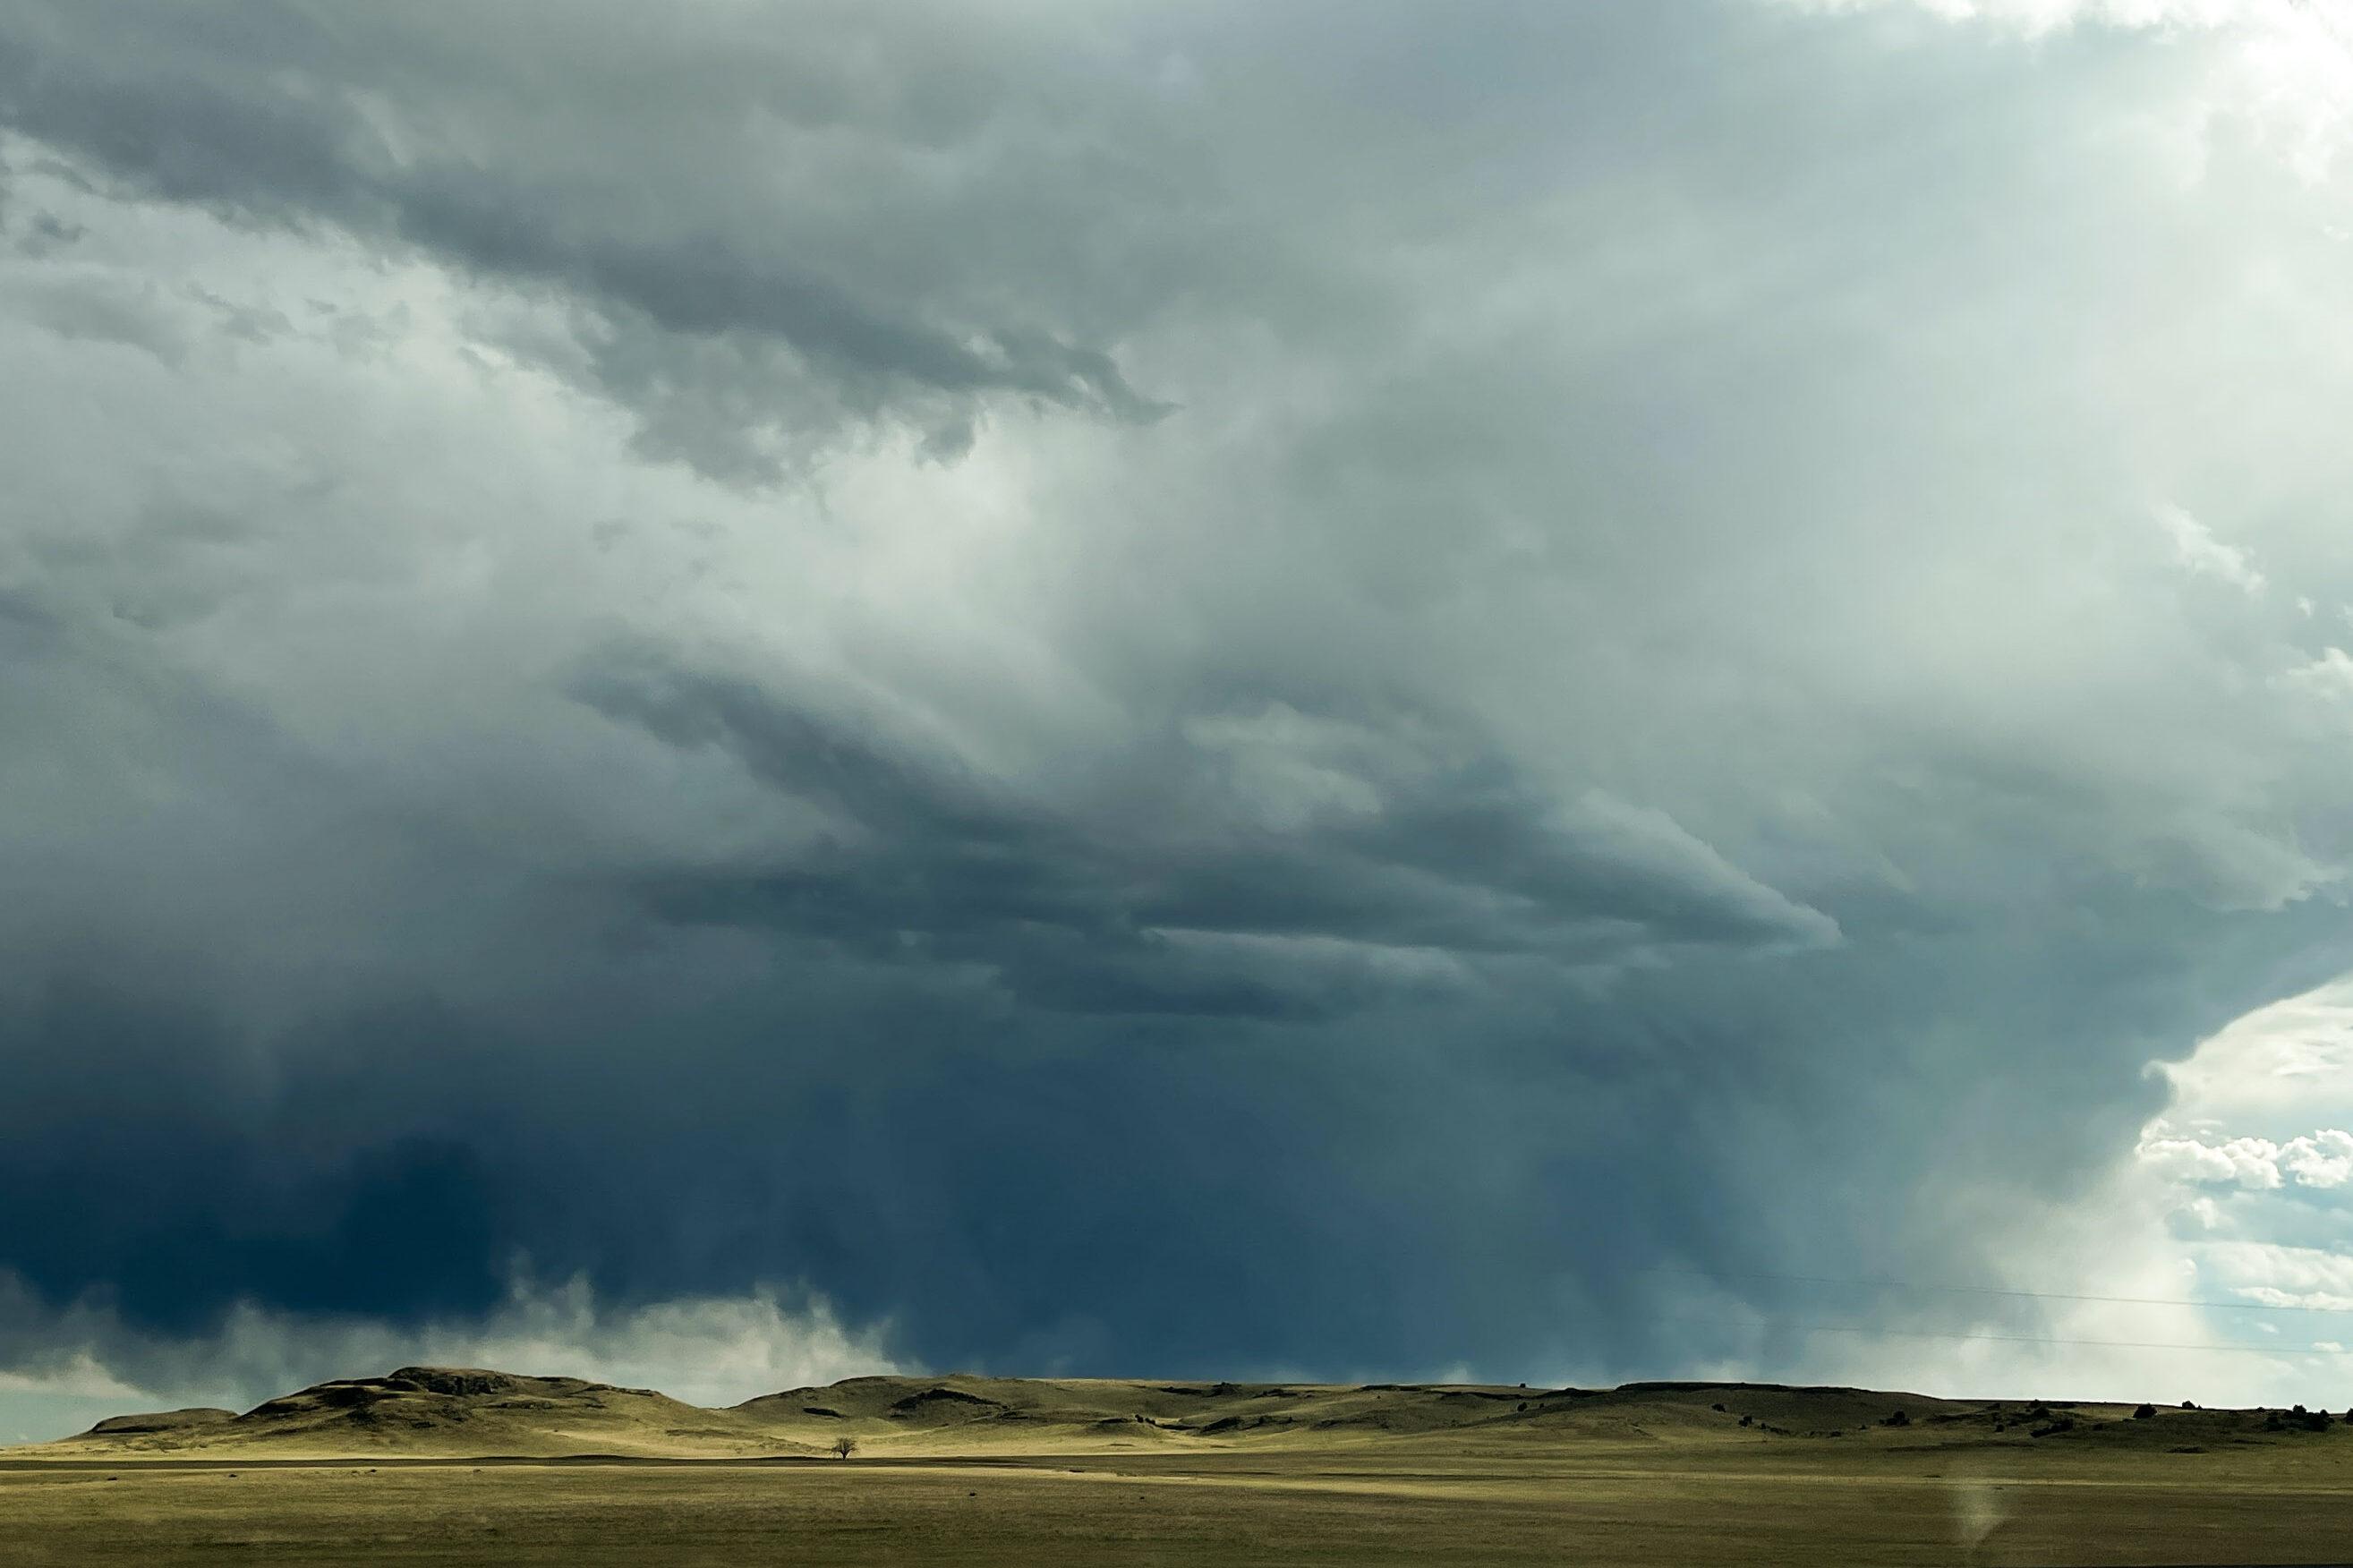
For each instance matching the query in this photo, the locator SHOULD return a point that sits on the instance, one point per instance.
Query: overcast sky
(731, 693)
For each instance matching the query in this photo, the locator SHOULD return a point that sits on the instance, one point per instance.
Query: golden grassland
(1006, 1471)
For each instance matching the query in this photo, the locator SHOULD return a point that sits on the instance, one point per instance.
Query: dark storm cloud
(268, 120)
(1424, 663)
(209, 1111)
(1147, 912)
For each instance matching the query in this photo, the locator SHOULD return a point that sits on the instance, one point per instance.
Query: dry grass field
(1003, 1471)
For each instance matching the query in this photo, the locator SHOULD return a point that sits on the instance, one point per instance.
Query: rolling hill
(452, 1413)
(439, 1412)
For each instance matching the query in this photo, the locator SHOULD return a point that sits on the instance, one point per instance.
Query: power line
(1990, 1290)
(2006, 1339)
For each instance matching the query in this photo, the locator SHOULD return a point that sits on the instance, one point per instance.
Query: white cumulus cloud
(2330, 676)
(2322, 1159)
(2198, 550)
(2251, 1163)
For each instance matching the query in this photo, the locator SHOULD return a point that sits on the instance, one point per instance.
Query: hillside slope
(439, 1412)
(449, 1413)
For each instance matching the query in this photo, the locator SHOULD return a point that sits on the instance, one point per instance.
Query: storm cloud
(1164, 691)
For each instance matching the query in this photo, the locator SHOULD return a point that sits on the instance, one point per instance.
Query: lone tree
(844, 1446)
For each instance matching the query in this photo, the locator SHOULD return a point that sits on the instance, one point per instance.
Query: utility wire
(1989, 1290)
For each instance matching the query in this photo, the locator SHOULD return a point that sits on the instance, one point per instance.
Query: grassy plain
(1652, 1476)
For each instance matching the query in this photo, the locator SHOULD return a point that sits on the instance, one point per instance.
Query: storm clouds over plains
(1156, 690)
